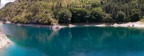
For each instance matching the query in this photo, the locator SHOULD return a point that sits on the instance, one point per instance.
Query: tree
(80, 15)
(64, 16)
(120, 16)
(95, 4)
(19, 19)
(107, 18)
(96, 15)
(44, 19)
(135, 15)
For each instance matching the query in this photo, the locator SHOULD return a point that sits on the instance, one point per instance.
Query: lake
(77, 41)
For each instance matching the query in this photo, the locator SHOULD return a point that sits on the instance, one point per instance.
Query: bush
(64, 16)
(95, 4)
(107, 18)
(142, 9)
(19, 19)
(44, 18)
(80, 15)
(96, 15)
(15, 19)
(135, 15)
(120, 17)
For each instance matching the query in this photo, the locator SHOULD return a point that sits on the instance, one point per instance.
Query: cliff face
(3, 40)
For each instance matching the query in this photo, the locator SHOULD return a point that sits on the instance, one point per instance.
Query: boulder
(3, 40)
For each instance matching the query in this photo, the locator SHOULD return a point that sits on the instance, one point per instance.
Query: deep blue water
(77, 41)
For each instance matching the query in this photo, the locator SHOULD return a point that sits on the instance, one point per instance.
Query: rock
(3, 40)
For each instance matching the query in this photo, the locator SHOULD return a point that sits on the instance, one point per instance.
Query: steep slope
(72, 11)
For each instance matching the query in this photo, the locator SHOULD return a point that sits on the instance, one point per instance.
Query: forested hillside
(73, 11)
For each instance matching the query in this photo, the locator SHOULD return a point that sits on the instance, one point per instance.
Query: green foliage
(107, 18)
(80, 15)
(96, 15)
(135, 15)
(64, 16)
(19, 19)
(120, 16)
(45, 19)
(142, 7)
(81, 11)
(95, 4)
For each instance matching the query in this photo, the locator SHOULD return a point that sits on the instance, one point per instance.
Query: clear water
(78, 41)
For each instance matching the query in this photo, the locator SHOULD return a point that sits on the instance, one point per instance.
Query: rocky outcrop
(3, 40)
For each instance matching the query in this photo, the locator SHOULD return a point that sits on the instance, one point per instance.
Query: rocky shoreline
(3, 40)
(59, 26)
(128, 24)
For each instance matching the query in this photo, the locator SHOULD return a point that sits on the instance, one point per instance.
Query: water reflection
(79, 41)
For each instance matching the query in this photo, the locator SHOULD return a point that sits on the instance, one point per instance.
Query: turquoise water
(78, 41)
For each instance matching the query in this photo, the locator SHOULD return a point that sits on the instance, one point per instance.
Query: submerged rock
(3, 40)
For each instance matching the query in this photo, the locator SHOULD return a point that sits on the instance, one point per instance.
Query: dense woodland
(72, 11)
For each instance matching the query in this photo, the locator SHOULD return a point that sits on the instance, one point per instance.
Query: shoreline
(128, 24)
(57, 27)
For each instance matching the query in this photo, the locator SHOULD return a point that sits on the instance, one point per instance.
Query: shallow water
(77, 41)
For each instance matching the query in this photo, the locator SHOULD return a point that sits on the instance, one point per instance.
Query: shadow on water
(79, 41)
